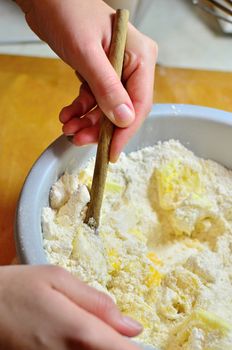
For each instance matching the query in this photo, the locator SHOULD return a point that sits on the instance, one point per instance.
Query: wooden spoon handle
(116, 57)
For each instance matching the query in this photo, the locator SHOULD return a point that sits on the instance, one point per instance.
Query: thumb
(110, 94)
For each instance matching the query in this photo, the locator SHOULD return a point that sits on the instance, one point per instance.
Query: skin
(82, 39)
(46, 308)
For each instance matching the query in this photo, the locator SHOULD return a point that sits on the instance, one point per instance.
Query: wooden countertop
(32, 92)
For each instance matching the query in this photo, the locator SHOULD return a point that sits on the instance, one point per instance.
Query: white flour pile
(164, 251)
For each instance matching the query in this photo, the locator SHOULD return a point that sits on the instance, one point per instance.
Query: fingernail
(114, 158)
(70, 138)
(129, 322)
(123, 115)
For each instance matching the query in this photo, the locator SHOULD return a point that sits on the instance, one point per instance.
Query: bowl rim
(158, 110)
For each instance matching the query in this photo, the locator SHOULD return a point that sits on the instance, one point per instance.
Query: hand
(45, 307)
(80, 33)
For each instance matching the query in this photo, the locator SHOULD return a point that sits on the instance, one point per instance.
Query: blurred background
(186, 35)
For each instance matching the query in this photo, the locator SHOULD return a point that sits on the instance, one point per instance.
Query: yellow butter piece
(212, 321)
(113, 187)
(153, 278)
(208, 322)
(110, 186)
(84, 178)
(142, 313)
(175, 182)
(131, 266)
(194, 243)
(154, 258)
(138, 234)
(114, 260)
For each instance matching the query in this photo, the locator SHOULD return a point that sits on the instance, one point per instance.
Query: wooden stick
(116, 57)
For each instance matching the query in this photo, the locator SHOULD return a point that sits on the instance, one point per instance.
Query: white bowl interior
(205, 131)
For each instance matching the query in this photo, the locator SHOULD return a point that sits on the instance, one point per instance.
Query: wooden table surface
(32, 92)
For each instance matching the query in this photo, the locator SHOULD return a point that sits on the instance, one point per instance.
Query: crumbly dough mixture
(164, 250)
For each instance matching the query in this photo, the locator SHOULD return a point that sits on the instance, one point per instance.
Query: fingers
(80, 106)
(84, 130)
(76, 124)
(47, 299)
(96, 335)
(95, 302)
(87, 136)
(107, 88)
(84, 330)
(139, 76)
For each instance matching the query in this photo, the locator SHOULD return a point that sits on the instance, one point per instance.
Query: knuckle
(63, 110)
(153, 48)
(131, 61)
(111, 86)
(144, 107)
(58, 272)
(149, 47)
(148, 53)
(148, 103)
(104, 305)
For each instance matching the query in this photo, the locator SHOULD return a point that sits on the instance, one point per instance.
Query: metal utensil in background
(221, 9)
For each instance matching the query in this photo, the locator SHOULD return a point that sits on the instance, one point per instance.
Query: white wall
(186, 37)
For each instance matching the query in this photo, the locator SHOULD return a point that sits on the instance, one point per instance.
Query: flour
(164, 250)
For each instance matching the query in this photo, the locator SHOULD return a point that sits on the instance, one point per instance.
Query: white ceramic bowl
(206, 131)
